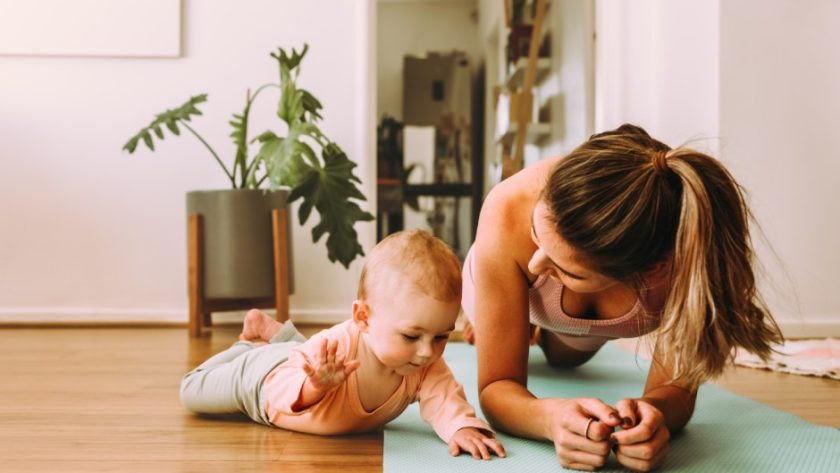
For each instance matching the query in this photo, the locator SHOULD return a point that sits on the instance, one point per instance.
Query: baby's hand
(475, 442)
(328, 371)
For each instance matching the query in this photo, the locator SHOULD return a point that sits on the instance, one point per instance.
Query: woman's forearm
(510, 407)
(675, 403)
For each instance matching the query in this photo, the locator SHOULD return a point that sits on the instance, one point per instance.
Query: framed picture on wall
(124, 28)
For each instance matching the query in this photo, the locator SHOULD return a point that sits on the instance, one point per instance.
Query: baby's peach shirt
(442, 400)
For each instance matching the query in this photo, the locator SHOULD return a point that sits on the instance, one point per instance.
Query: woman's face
(557, 259)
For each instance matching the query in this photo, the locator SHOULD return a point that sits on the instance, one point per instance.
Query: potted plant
(283, 169)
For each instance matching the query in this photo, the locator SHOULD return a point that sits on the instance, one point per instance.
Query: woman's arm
(675, 402)
(662, 410)
(502, 250)
(501, 318)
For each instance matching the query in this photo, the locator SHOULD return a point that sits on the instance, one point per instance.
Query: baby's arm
(444, 405)
(323, 374)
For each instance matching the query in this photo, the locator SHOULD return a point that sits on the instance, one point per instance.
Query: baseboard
(114, 316)
(804, 327)
(810, 327)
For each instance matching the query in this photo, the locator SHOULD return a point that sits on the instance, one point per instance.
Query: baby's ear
(361, 312)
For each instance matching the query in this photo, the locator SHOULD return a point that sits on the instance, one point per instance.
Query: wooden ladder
(512, 163)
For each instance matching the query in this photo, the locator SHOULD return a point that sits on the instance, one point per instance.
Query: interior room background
(88, 233)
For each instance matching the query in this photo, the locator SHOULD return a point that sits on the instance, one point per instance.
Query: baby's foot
(259, 326)
(468, 333)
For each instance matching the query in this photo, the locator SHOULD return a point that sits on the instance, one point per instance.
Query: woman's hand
(581, 429)
(475, 442)
(643, 442)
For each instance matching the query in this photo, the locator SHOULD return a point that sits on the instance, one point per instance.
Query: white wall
(657, 66)
(88, 232)
(780, 116)
(754, 83)
(492, 36)
(571, 83)
(416, 27)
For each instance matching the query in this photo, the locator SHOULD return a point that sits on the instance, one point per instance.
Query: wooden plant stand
(201, 307)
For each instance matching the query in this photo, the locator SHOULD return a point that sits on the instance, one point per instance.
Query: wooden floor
(106, 399)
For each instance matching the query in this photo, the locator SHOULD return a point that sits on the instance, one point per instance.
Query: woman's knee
(559, 355)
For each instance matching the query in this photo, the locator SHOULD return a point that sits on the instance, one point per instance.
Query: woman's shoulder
(517, 194)
(505, 220)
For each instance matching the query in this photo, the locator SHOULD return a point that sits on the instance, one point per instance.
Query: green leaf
(132, 144)
(240, 140)
(169, 118)
(325, 185)
(290, 108)
(307, 185)
(283, 164)
(290, 62)
(147, 138)
(265, 136)
(309, 153)
(311, 105)
(329, 189)
(173, 127)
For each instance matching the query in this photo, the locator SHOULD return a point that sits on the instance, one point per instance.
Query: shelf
(439, 190)
(516, 78)
(535, 133)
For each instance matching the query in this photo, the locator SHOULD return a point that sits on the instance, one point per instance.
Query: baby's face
(408, 330)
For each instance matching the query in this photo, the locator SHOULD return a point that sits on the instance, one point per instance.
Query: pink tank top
(546, 310)
(545, 298)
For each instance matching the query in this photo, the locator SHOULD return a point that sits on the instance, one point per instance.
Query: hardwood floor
(106, 399)
(91, 400)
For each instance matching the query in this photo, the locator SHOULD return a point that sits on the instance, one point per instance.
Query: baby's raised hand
(329, 370)
(475, 442)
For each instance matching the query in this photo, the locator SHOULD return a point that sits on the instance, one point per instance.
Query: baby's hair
(627, 202)
(425, 262)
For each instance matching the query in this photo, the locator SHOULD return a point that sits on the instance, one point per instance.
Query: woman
(622, 237)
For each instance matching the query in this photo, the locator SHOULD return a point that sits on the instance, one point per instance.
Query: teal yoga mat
(728, 433)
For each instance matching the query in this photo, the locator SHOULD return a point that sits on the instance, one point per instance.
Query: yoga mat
(727, 432)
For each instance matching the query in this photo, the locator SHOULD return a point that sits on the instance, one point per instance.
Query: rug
(819, 357)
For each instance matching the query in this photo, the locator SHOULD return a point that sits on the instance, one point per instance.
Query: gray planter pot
(238, 255)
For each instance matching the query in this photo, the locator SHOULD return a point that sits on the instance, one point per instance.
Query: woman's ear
(361, 313)
(661, 265)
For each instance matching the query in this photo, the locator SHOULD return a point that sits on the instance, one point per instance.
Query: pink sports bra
(546, 310)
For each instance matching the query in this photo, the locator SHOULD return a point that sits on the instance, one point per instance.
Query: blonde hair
(425, 262)
(627, 202)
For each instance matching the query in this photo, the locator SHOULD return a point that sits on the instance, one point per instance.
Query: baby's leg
(259, 326)
(467, 332)
(230, 381)
(211, 387)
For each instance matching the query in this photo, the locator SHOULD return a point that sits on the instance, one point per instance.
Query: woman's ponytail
(713, 305)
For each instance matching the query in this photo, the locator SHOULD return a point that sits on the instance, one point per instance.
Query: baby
(360, 374)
